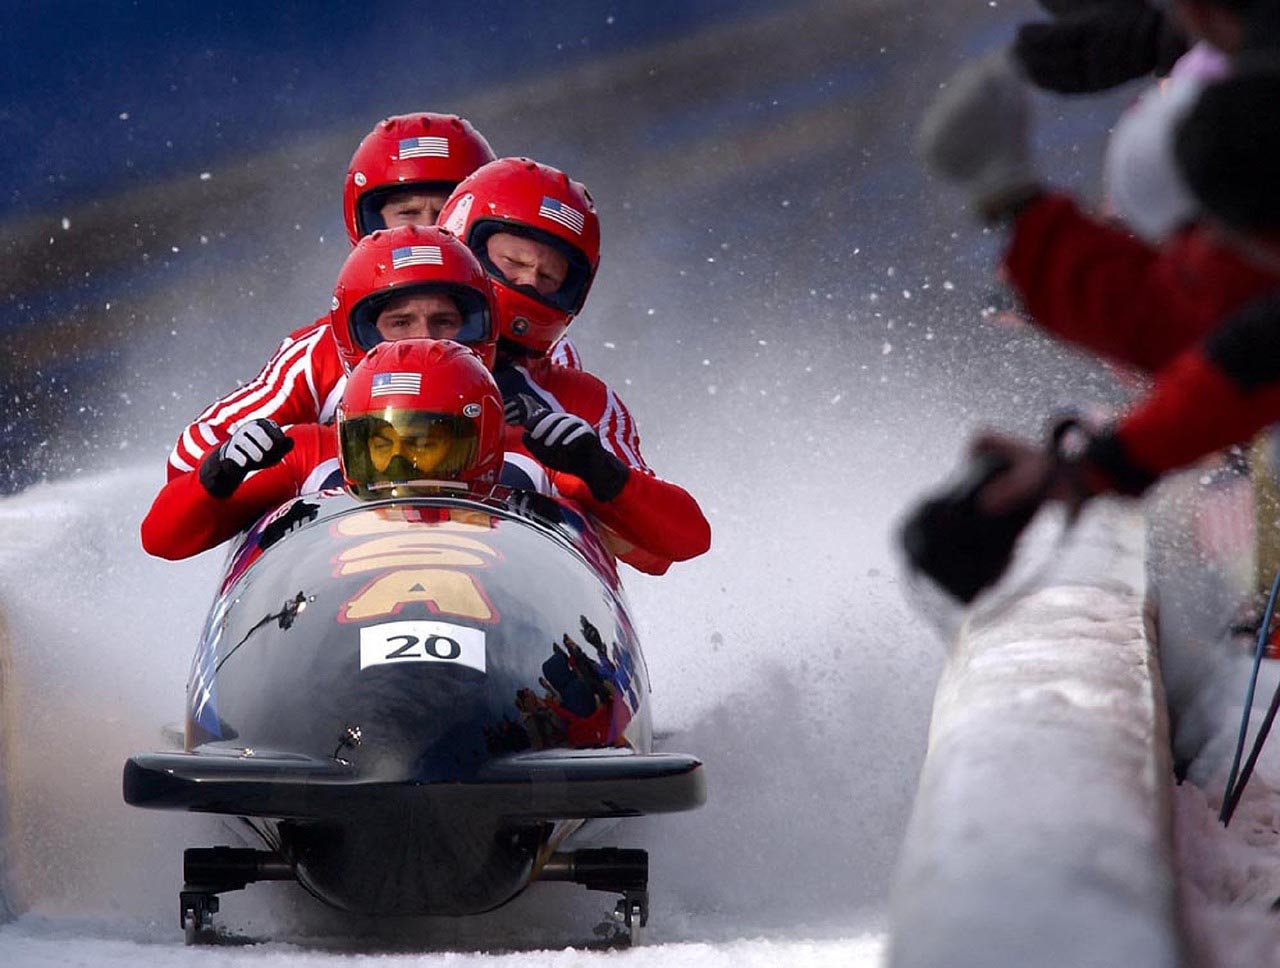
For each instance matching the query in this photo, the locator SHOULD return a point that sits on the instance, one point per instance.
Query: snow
(33, 944)
(786, 658)
(1231, 875)
(1202, 553)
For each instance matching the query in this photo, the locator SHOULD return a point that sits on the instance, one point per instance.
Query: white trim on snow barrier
(1042, 829)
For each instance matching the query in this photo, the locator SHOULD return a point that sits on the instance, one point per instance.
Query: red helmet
(416, 411)
(407, 261)
(538, 202)
(428, 151)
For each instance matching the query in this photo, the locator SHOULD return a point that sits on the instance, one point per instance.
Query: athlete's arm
(1217, 394)
(659, 520)
(185, 519)
(292, 388)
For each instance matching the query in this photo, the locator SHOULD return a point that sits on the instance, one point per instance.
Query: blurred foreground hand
(1095, 45)
(975, 136)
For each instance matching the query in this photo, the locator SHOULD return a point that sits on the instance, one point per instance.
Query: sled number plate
(395, 642)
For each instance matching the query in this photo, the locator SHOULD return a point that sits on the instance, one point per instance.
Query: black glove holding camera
(963, 537)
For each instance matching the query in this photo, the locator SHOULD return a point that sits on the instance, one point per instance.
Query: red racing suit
(185, 519)
(1218, 393)
(658, 521)
(1094, 284)
(301, 384)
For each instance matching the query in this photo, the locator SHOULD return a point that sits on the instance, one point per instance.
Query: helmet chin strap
(511, 350)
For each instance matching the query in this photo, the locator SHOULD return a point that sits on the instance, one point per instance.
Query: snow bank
(1042, 830)
(41, 945)
(100, 642)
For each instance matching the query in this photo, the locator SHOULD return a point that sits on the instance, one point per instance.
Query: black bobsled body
(415, 702)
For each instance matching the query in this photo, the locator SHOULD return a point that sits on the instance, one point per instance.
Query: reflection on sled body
(414, 703)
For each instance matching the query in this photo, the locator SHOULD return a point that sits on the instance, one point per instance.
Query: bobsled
(414, 704)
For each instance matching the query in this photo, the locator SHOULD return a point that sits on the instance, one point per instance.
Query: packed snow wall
(1042, 828)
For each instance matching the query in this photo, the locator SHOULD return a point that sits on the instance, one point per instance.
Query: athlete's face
(525, 262)
(414, 207)
(420, 452)
(414, 316)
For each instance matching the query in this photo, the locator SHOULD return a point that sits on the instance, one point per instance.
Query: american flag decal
(425, 147)
(416, 255)
(558, 211)
(385, 384)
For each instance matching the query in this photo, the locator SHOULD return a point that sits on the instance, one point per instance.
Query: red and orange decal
(431, 566)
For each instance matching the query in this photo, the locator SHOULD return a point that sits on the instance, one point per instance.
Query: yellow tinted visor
(393, 447)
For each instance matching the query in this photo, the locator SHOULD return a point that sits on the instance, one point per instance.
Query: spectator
(1219, 379)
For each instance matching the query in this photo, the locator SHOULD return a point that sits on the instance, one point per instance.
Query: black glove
(952, 540)
(565, 442)
(1262, 29)
(519, 408)
(259, 443)
(963, 537)
(1097, 44)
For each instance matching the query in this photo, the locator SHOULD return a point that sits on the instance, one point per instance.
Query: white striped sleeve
(280, 373)
(564, 353)
(618, 431)
(287, 375)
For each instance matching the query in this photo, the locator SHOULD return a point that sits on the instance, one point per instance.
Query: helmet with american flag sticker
(395, 265)
(538, 204)
(423, 152)
(418, 412)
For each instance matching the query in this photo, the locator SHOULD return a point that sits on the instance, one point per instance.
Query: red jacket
(1094, 284)
(300, 384)
(660, 519)
(185, 519)
(657, 522)
(1220, 392)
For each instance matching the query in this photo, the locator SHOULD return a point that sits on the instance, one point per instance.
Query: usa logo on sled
(416, 255)
(385, 384)
(424, 147)
(558, 211)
